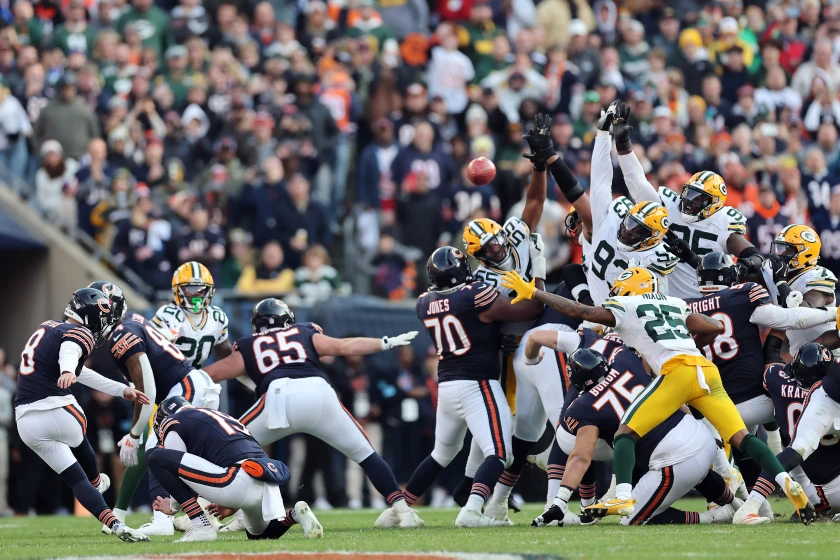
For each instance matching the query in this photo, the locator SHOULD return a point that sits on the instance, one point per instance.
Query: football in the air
(481, 171)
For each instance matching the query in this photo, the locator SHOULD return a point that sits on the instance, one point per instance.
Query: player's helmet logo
(104, 305)
(809, 236)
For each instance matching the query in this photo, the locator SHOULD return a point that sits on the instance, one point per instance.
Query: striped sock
(763, 487)
(195, 513)
(289, 520)
(108, 518)
(394, 496)
(95, 482)
(692, 517)
(587, 494)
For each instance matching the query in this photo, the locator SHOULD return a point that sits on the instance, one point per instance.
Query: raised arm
(705, 329)
(360, 346)
(601, 171)
(634, 175)
(527, 291)
(539, 140)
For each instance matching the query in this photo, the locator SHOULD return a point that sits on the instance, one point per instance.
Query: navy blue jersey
(608, 345)
(135, 335)
(280, 353)
(552, 316)
(790, 400)
(737, 352)
(39, 371)
(831, 381)
(212, 435)
(605, 404)
(468, 347)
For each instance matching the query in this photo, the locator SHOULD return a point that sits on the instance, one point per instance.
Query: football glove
(524, 290)
(537, 251)
(129, 445)
(794, 299)
(678, 247)
(779, 266)
(539, 141)
(404, 339)
(509, 344)
(621, 128)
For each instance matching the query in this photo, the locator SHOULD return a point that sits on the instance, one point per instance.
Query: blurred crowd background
(314, 149)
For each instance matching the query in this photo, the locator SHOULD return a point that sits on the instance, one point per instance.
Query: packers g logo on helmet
(643, 227)
(486, 242)
(192, 286)
(799, 246)
(702, 196)
(635, 281)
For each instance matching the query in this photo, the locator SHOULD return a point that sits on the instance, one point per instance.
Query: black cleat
(549, 516)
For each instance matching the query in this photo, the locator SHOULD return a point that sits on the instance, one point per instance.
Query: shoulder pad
(613, 303)
(666, 194)
(620, 206)
(737, 223)
(482, 294)
(820, 277)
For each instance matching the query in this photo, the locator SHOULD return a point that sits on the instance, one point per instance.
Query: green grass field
(52, 537)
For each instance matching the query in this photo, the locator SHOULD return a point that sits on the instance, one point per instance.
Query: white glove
(532, 362)
(404, 339)
(537, 251)
(128, 449)
(794, 299)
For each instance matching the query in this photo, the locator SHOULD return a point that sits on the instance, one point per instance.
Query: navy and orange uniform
(604, 405)
(551, 316)
(137, 335)
(39, 370)
(737, 352)
(468, 348)
(790, 400)
(211, 435)
(279, 353)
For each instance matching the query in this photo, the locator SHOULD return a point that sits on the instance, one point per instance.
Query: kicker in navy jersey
(134, 335)
(278, 353)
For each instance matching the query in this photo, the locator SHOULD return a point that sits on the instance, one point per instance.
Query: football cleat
(474, 518)
(159, 527)
(127, 534)
(497, 511)
(199, 534)
(719, 514)
(747, 514)
(388, 519)
(799, 499)
(552, 516)
(120, 515)
(312, 528)
(410, 519)
(611, 507)
(182, 523)
(513, 504)
(238, 524)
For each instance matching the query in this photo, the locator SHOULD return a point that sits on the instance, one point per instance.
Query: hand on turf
(524, 290)
(221, 512)
(404, 339)
(132, 394)
(67, 378)
(539, 140)
(128, 449)
(163, 505)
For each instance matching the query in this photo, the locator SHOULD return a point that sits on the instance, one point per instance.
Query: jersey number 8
(268, 358)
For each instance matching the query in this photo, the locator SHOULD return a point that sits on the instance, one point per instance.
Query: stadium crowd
(262, 138)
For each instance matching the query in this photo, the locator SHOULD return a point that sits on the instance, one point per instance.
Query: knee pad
(444, 454)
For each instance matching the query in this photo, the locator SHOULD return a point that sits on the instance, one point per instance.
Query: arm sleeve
(567, 342)
(68, 356)
(601, 177)
(247, 382)
(798, 318)
(151, 392)
(101, 383)
(634, 177)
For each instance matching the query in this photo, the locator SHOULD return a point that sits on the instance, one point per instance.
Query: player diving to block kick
(49, 419)
(674, 457)
(207, 453)
(283, 358)
(700, 221)
(660, 328)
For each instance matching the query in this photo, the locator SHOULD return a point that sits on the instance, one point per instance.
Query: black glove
(678, 247)
(780, 268)
(539, 141)
(509, 344)
(621, 128)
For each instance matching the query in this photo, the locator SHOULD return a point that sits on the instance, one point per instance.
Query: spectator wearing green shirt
(151, 23)
(370, 24)
(75, 35)
(176, 75)
(29, 29)
(475, 37)
(316, 280)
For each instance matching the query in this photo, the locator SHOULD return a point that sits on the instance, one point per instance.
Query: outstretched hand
(524, 290)
(539, 141)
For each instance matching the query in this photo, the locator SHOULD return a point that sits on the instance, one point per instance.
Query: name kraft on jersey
(793, 392)
(705, 304)
(438, 306)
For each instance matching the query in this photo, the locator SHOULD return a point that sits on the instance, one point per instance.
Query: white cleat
(747, 514)
(104, 483)
(238, 523)
(213, 521)
(766, 511)
(388, 519)
(474, 518)
(107, 530)
(719, 514)
(198, 534)
(498, 511)
(410, 519)
(159, 527)
(312, 528)
(182, 523)
(836, 518)
(127, 534)
(540, 461)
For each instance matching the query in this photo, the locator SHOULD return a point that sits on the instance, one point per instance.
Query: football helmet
(799, 246)
(635, 281)
(448, 268)
(93, 309)
(486, 241)
(643, 227)
(587, 368)
(702, 196)
(192, 287)
(810, 365)
(167, 408)
(717, 271)
(574, 226)
(116, 295)
(271, 313)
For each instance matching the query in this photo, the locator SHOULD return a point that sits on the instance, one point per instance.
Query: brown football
(481, 171)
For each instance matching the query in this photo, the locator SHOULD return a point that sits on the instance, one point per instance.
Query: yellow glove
(524, 290)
